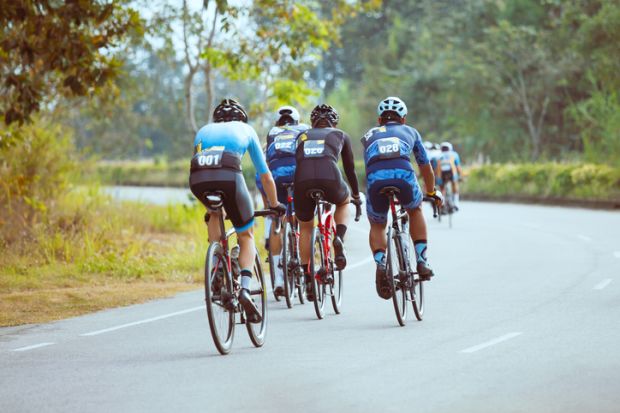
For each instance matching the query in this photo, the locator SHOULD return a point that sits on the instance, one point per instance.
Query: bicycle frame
(325, 225)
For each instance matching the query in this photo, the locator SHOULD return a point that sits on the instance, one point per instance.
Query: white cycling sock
(246, 282)
(456, 200)
(279, 273)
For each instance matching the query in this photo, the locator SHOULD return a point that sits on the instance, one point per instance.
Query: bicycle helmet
(324, 112)
(446, 146)
(229, 110)
(287, 115)
(392, 104)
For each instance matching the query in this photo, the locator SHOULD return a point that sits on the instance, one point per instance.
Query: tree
(50, 49)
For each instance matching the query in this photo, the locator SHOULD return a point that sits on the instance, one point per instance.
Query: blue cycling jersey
(281, 145)
(390, 146)
(233, 137)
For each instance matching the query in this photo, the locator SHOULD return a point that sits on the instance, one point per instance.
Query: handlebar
(270, 213)
(433, 202)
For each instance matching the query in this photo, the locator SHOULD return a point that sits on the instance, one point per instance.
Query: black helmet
(324, 112)
(229, 110)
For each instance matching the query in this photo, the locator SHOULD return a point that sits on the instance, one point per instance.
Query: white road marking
(491, 342)
(359, 264)
(33, 347)
(617, 254)
(148, 320)
(584, 238)
(604, 283)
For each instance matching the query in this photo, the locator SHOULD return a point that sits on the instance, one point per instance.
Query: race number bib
(285, 143)
(314, 149)
(388, 148)
(446, 163)
(210, 157)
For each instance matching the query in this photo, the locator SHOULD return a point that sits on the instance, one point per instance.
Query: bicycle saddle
(389, 190)
(214, 199)
(315, 194)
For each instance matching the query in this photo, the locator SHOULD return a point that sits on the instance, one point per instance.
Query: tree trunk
(189, 102)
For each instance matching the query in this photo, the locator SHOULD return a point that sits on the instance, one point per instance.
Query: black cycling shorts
(323, 175)
(446, 176)
(237, 200)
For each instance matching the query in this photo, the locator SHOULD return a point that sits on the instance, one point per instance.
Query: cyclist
(318, 150)
(387, 152)
(449, 168)
(281, 145)
(216, 165)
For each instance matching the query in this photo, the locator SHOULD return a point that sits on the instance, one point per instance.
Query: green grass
(90, 252)
(574, 181)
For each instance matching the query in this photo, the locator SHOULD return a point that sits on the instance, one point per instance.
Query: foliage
(545, 180)
(57, 48)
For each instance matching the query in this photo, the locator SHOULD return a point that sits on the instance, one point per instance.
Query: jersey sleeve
(256, 154)
(419, 151)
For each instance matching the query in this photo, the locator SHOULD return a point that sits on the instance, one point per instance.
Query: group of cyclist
(307, 156)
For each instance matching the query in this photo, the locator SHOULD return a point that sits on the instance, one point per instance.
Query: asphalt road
(522, 316)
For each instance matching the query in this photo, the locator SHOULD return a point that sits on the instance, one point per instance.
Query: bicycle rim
(316, 263)
(257, 331)
(335, 289)
(218, 289)
(399, 297)
(289, 273)
(417, 299)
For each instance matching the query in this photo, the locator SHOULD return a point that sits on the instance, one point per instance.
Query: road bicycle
(448, 208)
(222, 285)
(407, 286)
(294, 280)
(326, 280)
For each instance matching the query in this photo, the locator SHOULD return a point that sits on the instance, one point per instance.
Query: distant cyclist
(318, 150)
(433, 152)
(449, 168)
(387, 155)
(216, 166)
(281, 146)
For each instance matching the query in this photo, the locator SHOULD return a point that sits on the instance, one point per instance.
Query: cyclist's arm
(457, 163)
(348, 162)
(258, 159)
(421, 158)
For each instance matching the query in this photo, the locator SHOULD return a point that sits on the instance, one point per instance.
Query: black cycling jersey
(317, 145)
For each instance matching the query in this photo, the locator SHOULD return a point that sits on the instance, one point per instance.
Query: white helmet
(290, 112)
(394, 104)
(446, 145)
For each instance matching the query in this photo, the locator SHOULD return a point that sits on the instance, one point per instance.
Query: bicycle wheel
(417, 298)
(219, 296)
(335, 288)
(272, 274)
(288, 239)
(399, 292)
(316, 265)
(257, 331)
(301, 286)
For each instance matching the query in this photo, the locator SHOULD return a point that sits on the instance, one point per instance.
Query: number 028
(389, 148)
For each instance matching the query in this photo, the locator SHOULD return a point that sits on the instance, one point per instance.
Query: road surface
(522, 316)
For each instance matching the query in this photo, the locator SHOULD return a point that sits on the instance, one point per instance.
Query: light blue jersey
(235, 137)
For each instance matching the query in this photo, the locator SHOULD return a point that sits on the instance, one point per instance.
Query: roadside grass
(91, 253)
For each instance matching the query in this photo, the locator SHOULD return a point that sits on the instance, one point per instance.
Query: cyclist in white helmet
(449, 169)
(387, 155)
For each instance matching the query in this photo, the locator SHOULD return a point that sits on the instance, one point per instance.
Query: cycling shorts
(447, 176)
(237, 200)
(377, 204)
(324, 175)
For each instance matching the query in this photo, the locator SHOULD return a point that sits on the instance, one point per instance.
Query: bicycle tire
(335, 289)
(393, 265)
(417, 298)
(316, 264)
(288, 272)
(221, 320)
(258, 331)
